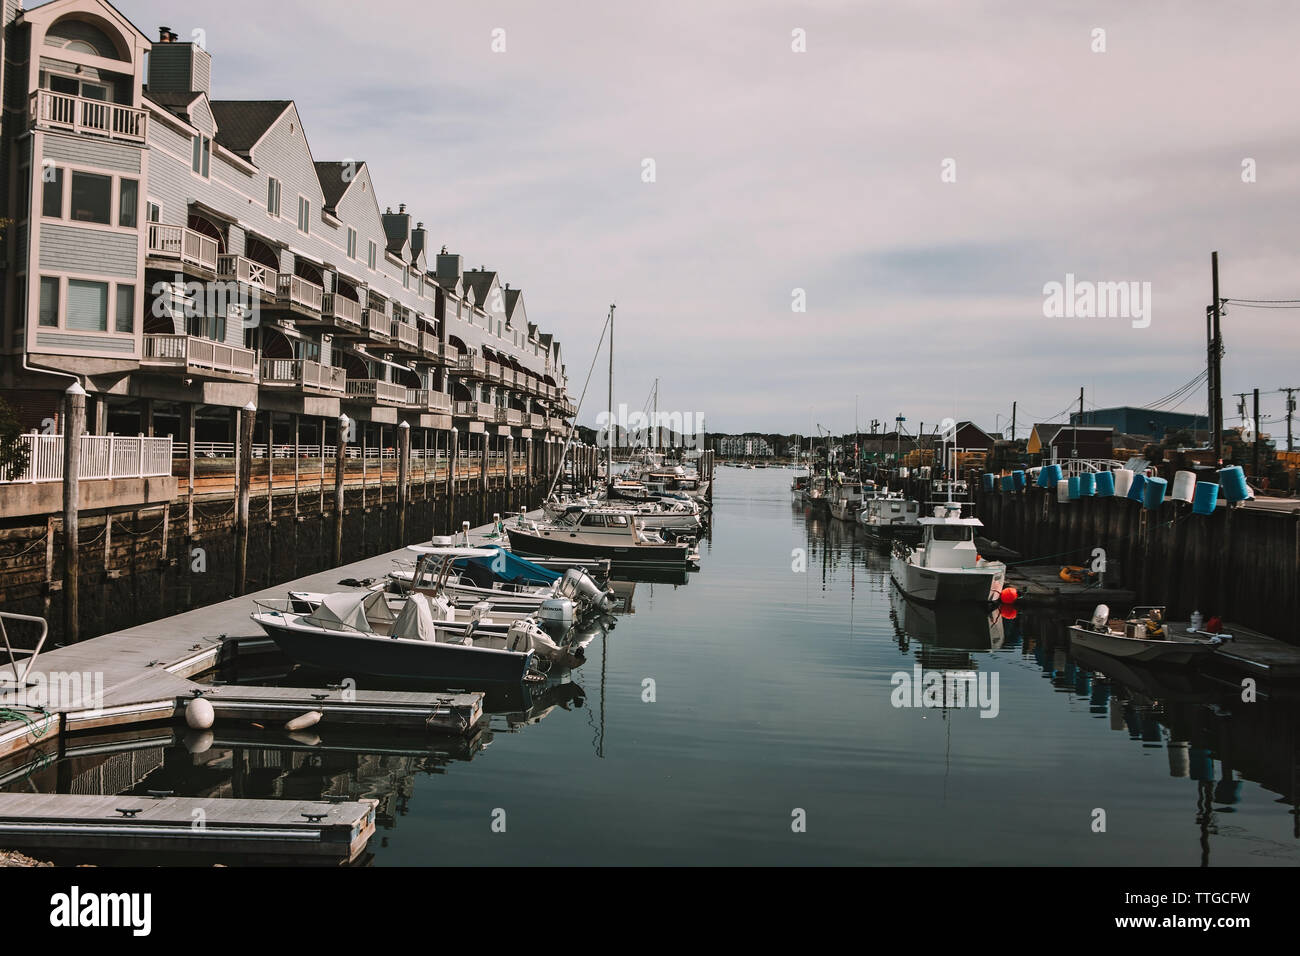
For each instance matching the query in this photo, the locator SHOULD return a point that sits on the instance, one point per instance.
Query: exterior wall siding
(67, 248)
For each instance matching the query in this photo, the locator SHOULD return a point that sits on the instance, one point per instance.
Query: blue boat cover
(507, 567)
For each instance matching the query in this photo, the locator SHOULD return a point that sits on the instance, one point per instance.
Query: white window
(304, 214)
(202, 155)
(273, 196)
(372, 255)
(87, 306)
(352, 243)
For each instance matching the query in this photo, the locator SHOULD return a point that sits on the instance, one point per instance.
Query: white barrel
(1184, 486)
(1123, 482)
(1063, 490)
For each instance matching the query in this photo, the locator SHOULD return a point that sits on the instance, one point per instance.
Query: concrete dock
(144, 672)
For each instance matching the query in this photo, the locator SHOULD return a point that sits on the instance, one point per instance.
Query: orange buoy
(1009, 596)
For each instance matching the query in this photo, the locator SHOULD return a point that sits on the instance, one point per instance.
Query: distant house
(1148, 422)
(970, 437)
(1055, 441)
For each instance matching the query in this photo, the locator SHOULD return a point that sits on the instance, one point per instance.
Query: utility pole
(1074, 452)
(1290, 411)
(1216, 356)
(1013, 421)
(1255, 429)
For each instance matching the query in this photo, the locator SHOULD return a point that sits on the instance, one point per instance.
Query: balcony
(471, 366)
(77, 114)
(406, 337)
(373, 391)
(557, 424)
(186, 245)
(537, 421)
(304, 374)
(478, 411)
(509, 416)
(494, 372)
(378, 326)
(297, 291)
(341, 312)
(247, 271)
(428, 400)
(201, 357)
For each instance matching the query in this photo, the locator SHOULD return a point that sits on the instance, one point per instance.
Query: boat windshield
(959, 532)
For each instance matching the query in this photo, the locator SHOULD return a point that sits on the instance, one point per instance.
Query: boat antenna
(573, 428)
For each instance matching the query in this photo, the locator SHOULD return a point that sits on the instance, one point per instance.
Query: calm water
(772, 694)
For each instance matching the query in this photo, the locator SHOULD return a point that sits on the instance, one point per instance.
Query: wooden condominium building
(183, 255)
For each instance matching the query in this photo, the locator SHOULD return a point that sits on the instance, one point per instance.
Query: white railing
(404, 333)
(102, 456)
(304, 373)
(471, 365)
(299, 291)
(477, 410)
(190, 352)
(342, 308)
(384, 393)
(177, 242)
(82, 115)
(378, 324)
(249, 272)
(429, 399)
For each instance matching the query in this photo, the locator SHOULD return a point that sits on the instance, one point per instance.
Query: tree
(13, 451)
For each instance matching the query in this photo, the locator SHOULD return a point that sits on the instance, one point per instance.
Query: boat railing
(283, 606)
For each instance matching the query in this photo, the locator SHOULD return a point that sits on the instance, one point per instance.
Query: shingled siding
(89, 251)
(85, 151)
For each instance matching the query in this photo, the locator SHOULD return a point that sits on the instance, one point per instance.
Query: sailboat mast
(613, 426)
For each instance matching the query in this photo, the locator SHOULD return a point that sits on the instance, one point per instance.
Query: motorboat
(675, 515)
(890, 516)
(845, 499)
(945, 567)
(797, 486)
(597, 533)
(1144, 636)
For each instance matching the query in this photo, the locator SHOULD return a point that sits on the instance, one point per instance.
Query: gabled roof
(480, 281)
(177, 103)
(512, 299)
(241, 124)
(335, 180)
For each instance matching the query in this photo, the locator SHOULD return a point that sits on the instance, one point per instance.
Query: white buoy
(1184, 488)
(302, 722)
(1123, 482)
(1063, 490)
(199, 714)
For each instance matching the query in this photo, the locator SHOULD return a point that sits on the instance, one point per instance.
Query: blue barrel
(1135, 489)
(1008, 484)
(1105, 484)
(1233, 480)
(988, 481)
(1205, 498)
(1153, 493)
(1074, 487)
(1087, 484)
(1049, 476)
(1018, 479)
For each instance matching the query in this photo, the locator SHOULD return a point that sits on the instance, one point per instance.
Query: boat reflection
(951, 627)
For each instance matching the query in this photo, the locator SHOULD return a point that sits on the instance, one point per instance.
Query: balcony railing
(377, 325)
(101, 456)
(472, 366)
(480, 411)
(192, 354)
(494, 373)
(77, 114)
(304, 374)
(177, 242)
(248, 272)
(376, 391)
(298, 291)
(342, 309)
(509, 416)
(428, 399)
(537, 421)
(404, 333)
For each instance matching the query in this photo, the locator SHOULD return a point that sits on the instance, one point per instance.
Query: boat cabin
(949, 542)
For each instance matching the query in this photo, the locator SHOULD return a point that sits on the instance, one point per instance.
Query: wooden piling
(74, 414)
(340, 469)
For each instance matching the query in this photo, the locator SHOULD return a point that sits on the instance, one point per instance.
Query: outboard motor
(1099, 618)
(578, 587)
(481, 612)
(556, 616)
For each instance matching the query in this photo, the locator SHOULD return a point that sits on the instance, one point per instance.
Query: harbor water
(764, 713)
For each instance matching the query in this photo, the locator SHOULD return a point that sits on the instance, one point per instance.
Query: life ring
(1074, 574)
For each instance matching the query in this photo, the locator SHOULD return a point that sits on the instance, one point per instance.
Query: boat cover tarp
(506, 567)
(354, 609)
(415, 623)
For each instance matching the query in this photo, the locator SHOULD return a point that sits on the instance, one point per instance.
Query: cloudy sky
(823, 171)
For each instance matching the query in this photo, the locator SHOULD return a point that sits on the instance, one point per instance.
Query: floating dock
(1041, 585)
(261, 831)
(451, 713)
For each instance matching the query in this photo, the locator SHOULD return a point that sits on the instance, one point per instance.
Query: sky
(913, 177)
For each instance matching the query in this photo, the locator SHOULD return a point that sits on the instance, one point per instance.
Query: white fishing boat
(945, 567)
(891, 516)
(1143, 636)
(845, 499)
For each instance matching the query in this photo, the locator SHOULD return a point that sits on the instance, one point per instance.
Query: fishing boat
(797, 485)
(815, 493)
(845, 500)
(890, 516)
(1144, 636)
(597, 533)
(945, 567)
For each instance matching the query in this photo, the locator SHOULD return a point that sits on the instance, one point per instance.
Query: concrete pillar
(74, 418)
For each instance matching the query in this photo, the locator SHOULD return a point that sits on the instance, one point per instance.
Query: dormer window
(201, 157)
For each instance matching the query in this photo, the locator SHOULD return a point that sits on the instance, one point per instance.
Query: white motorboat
(890, 515)
(945, 567)
(1143, 636)
(598, 533)
(845, 499)
(681, 516)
